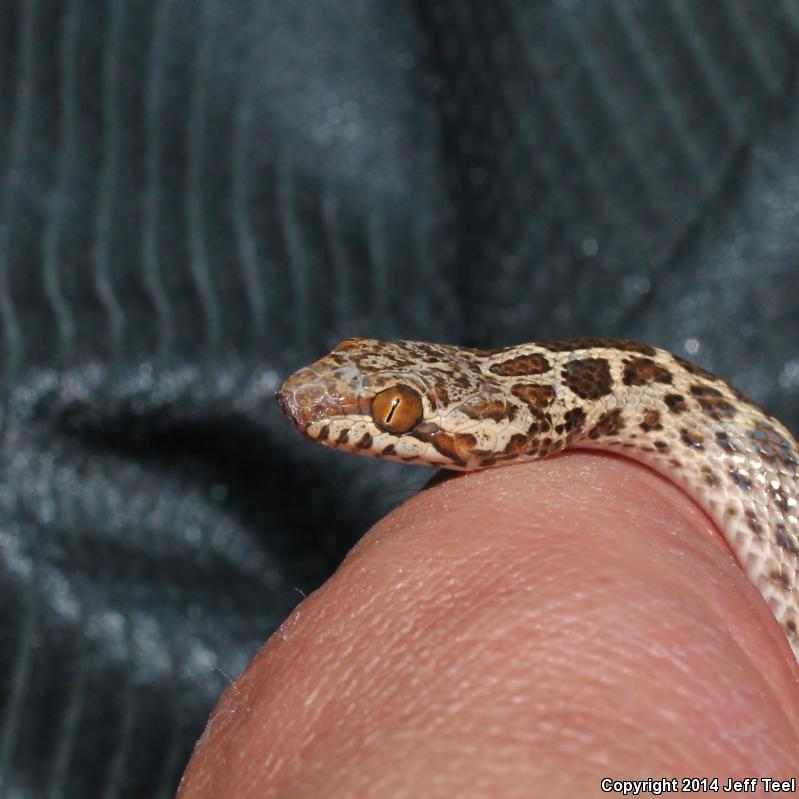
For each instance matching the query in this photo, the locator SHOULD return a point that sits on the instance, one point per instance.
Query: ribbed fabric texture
(198, 196)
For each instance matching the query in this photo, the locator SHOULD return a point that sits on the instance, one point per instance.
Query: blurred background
(199, 196)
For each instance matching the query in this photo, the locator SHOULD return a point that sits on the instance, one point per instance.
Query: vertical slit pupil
(392, 409)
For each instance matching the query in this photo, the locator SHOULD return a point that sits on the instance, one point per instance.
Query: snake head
(408, 401)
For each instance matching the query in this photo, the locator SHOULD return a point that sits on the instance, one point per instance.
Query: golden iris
(397, 409)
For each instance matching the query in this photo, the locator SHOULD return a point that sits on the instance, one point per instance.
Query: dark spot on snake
(609, 424)
(324, 433)
(365, 441)
(790, 626)
(574, 419)
(693, 440)
(494, 408)
(452, 446)
(532, 364)
(723, 440)
(537, 398)
(641, 371)
(461, 380)
(588, 378)
(784, 540)
(343, 437)
(661, 446)
(572, 344)
(651, 421)
(705, 391)
(712, 402)
(778, 576)
(675, 463)
(675, 403)
(389, 450)
(542, 423)
(438, 397)
(741, 480)
(711, 478)
(516, 444)
(754, 524)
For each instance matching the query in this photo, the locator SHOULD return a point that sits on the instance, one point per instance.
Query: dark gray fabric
(198, 196)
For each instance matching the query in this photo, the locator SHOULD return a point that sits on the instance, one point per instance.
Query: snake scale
(463, 408)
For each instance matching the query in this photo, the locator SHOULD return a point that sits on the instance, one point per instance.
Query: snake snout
(285, 400)
(305, 399)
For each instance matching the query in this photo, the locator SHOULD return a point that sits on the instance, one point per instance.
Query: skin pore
(539, 626)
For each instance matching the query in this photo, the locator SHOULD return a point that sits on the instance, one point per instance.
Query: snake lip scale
(463, 408)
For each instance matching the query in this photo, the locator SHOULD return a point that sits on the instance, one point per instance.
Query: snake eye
(397, 409)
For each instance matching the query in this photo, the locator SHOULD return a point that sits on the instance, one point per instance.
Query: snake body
(465, 409)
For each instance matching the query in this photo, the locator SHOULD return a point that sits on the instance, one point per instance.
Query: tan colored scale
(465, 409)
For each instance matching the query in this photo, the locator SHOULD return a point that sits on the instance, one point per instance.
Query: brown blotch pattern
(675, 403)
(343, 437)
(454, 447)
(693, 440)
(609, 424)
(493, 408)
(389, 450)
(542, 423)
(574, 421)
(324, 433)
(641, 371)
(572, 344)
(516, 444)
(365, 441)
(438, 397)
(545, 446)
(532, 364)
(537, 398)
(588, 378)
(651, 421)
(713, 403)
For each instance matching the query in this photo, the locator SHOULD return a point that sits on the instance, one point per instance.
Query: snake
(464, 408)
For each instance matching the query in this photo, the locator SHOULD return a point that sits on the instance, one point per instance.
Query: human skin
(521, 631)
